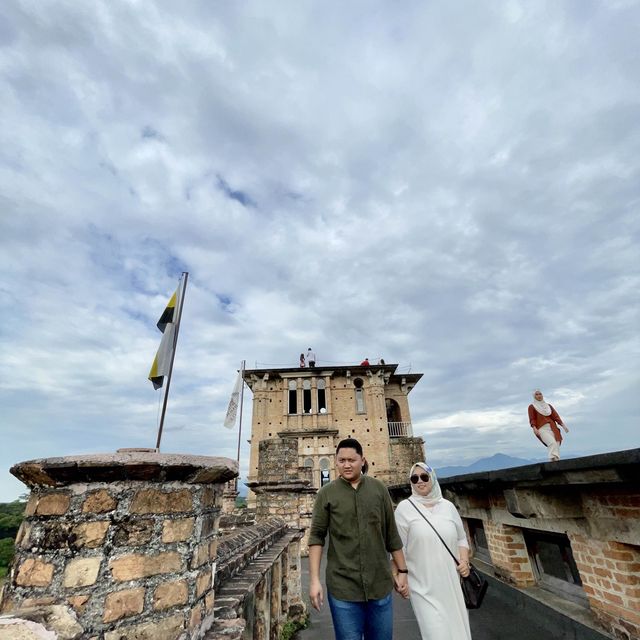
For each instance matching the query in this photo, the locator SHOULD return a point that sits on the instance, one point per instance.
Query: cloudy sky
(453, 186)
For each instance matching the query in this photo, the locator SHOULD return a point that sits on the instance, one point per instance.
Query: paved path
(496, 620)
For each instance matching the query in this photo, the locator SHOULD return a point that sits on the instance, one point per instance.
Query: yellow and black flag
(166, 324)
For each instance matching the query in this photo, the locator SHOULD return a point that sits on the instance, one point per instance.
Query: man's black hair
(350, 443)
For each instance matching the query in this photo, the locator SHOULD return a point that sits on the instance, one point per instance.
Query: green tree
(6, 551)
(11, 515)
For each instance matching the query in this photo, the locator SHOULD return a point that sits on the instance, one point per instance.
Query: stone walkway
(497, 619)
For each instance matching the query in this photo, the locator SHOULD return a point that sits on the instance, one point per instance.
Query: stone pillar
(296, 610)
(122, 544)
(283, 488)
(509, 554)
(276, 596)
(262, 609)
(229, 496)
(609, 573)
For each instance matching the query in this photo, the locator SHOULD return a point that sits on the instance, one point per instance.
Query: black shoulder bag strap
(413, 504)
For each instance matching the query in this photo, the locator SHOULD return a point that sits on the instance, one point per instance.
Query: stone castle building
(300, 415)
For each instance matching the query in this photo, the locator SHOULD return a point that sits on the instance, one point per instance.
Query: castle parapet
(118, 545)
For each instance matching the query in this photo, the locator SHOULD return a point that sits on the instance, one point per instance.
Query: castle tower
(320, 406)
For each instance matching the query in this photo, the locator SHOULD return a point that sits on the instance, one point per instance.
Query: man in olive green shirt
(357, 513)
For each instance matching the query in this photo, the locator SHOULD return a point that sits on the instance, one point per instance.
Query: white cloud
(452, 190)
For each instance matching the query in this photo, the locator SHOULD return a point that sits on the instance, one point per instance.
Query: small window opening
(306, 396)
(322, 398)
(357, 383)
(293, 397)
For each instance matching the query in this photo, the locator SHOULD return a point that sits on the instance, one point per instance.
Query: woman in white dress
(434, 581)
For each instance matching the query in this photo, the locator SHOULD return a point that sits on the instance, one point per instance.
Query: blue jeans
(371, 620)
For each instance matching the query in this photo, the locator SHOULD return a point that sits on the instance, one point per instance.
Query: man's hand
(316, 595)
(401, 583)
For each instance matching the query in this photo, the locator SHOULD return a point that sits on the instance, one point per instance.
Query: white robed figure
(434, 581)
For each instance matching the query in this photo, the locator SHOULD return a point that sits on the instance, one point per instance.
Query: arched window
(293, 397)
(357, 383)
(322, 397)
(306, 396)
(308, 462)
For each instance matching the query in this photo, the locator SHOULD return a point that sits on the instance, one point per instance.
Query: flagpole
(173, 355)
(242, 366)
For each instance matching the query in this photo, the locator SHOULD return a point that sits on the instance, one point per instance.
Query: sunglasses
(423, 476)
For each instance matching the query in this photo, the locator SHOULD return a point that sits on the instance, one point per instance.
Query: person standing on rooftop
(544, 421)
(311, 357)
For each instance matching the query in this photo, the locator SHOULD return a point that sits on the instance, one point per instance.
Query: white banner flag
(232, 411)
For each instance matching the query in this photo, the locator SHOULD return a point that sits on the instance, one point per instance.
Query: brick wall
(594, 501)
(509, 554)
(610, 573)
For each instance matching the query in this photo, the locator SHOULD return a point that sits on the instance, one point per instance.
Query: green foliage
(6, 551)
(3, 573)
(241, 503)
(11, 514)
(291, 627)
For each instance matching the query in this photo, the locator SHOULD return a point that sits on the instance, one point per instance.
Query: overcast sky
(453, 186)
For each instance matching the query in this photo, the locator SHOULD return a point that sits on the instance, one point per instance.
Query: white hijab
(542, 407)
(435, 495)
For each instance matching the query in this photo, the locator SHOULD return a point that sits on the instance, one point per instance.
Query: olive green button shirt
(362, 532)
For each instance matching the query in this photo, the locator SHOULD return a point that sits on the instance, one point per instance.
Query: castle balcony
(400, 430)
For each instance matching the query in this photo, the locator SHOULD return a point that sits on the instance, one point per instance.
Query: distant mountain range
(497, 461)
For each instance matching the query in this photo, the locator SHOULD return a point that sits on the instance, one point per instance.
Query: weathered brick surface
(177, 530)
(22, 538)
(211, 497)
(609, 574)
(165, 629)
(121, 604)
(133, 533)
(170, 594)
(157, 501)
(200, 555)
(195, 618)
(135, 566)
(90, 534)
(78, 602)
(100, 501)
(81, 572)
(509, 554)
(50, 504)
(34, 573)
(203, 582)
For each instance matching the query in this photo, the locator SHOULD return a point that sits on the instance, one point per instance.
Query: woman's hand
(463, 568)
(401, 584)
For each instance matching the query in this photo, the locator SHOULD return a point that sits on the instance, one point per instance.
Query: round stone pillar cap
(126, 464)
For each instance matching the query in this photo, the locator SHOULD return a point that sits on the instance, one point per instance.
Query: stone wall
(260, 588)
(592, 502)
(403, 453)
(283, 488)
(119, 546)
